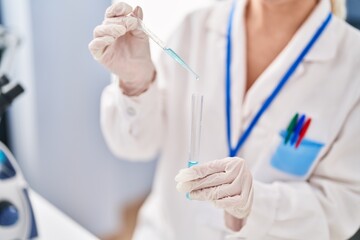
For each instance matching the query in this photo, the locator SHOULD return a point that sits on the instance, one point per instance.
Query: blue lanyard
(233, 151)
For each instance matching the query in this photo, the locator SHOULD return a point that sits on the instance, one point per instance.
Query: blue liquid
(177, 58)
(188, 196)
(192, 163)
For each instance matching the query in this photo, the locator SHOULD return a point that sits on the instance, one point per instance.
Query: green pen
(291, 127)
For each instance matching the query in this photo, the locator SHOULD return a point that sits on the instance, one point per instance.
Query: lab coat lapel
(238, 72)
(218, 19)
(268, 80)
(218, 23)
(245, 107)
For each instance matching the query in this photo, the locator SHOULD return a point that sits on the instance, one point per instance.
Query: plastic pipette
(169, 51)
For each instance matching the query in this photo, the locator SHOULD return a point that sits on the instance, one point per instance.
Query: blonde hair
(339, 8)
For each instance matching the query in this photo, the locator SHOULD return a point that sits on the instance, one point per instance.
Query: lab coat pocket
(286, 162)
(295, 161)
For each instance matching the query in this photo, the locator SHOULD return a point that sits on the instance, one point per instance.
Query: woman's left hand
(226, 182)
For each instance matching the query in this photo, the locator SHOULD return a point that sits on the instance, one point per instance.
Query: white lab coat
(323, 203)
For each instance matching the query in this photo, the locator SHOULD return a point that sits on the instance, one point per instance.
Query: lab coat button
(131, 111)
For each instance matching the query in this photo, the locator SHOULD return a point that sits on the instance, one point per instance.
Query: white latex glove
(226, 182)
(123, 49)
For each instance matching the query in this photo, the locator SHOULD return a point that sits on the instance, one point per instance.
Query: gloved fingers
(236, 187)
(242, 181)
(112, 30)
(212, 180)
(129, 22)
(213, 193)
(138, 12)
(242, 211)
(98, 46)
(231, 202)
(206, 169)
(118, 9)
(236, 206)
(240, 199)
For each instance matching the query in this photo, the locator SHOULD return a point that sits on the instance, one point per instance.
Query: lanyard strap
(233, 151)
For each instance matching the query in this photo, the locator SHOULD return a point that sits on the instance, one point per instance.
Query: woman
(281, 86)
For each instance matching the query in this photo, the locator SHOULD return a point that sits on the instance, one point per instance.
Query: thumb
(138, 12)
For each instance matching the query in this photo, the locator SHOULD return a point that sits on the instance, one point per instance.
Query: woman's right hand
(122, 48)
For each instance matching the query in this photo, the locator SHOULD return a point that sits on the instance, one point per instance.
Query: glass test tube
(196, 117)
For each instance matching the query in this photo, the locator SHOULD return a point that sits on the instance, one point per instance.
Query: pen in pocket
(298, 128)
(291, 128)
(303, 132)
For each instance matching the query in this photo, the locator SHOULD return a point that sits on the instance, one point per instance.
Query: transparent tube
(150, 34)
(196, 118)
(169, 51)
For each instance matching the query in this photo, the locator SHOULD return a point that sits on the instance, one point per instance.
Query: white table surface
(52, 224)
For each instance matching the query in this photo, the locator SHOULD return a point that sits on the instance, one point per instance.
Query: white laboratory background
(54, 127)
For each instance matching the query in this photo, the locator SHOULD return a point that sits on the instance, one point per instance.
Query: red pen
(303, 132)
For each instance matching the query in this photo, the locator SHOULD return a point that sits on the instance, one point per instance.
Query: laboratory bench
(53, 224)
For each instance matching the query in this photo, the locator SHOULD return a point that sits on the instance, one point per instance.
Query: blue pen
(298, 129)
